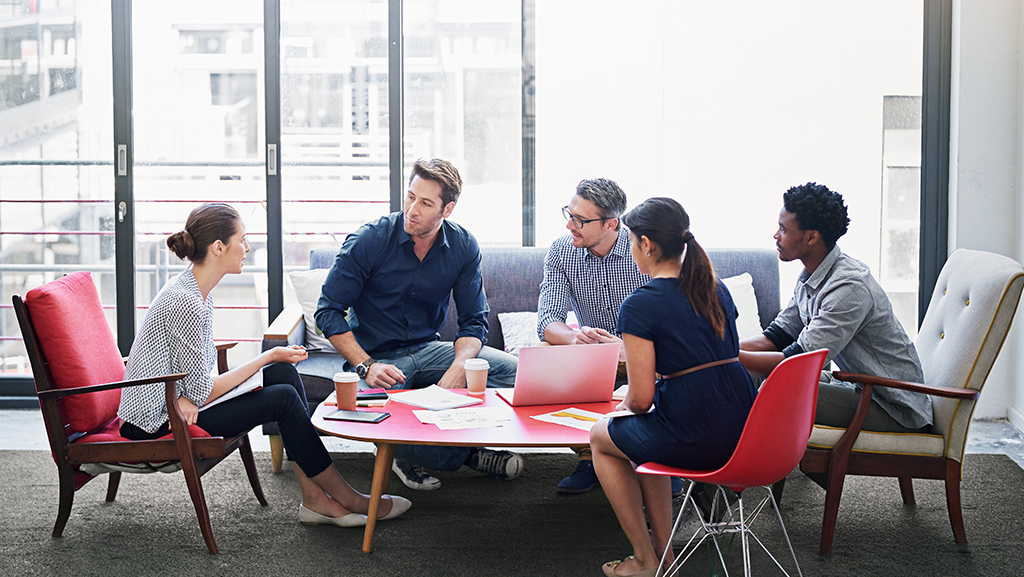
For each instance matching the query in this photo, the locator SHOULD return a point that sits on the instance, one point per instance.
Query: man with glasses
(386, 298)
(591, 272)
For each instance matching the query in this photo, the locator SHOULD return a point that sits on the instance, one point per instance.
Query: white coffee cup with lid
(345, 386)
(476, 375)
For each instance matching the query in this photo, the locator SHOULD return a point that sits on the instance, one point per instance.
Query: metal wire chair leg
(785, 533)
(743, 537)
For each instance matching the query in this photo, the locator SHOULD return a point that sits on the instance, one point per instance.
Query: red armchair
(78, 373)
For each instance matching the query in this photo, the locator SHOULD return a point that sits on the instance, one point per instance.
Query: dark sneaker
(688, 527)
(414, 477)
(503, 465)
(677, 487)
(583, 479)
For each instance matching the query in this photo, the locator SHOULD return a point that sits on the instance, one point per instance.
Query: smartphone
(311, 348)
(371, 395)
(357, 416)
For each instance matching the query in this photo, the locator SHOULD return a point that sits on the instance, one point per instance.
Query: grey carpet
(474, 526)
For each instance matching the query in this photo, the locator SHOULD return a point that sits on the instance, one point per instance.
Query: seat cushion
(76, 340)
(928, 445)
(111, 433)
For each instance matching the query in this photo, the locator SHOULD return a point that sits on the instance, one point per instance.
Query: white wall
(985, 159)
(722, 108)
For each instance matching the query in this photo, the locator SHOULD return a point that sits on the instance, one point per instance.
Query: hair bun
(182, 244)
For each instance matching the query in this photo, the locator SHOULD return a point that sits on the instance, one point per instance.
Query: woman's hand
(603, 336)
(290, 354)
(188, 409)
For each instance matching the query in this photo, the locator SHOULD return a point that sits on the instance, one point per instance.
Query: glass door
(198, 114)
(56, 155)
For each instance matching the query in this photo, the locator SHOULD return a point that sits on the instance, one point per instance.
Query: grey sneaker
(688, 527)
(414, 477)
(503, 465)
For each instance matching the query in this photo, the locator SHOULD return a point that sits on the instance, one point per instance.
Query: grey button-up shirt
(842, 307)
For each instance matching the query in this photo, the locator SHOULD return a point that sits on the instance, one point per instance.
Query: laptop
(557, 375)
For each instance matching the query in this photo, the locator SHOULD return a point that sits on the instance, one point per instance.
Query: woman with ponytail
(680, 325)
(177, 337)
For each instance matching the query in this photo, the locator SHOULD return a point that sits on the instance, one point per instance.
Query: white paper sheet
(571, 417)
(462, 418)
(434, 398)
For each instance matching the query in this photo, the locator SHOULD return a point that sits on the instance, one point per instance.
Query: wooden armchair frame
(839, 461)
(197, 455)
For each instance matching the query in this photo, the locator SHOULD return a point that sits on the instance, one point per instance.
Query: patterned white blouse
(176, 337)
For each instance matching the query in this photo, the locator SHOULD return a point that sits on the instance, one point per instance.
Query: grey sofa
(512, 278)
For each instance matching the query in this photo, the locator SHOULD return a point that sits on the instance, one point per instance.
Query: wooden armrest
(222, 357)
(948, 392)
(108, 386)
(285, 323)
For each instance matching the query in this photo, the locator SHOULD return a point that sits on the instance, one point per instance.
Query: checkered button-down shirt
(592, 286)
(176, 337)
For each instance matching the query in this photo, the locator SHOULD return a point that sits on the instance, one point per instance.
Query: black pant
(283, 402)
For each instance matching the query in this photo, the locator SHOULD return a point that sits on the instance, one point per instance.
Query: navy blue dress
(698, 417)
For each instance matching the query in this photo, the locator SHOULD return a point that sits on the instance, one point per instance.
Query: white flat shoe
(307, 517)
(399, 505)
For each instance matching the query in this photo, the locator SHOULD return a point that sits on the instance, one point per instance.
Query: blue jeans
(279, 400)
(424, 365)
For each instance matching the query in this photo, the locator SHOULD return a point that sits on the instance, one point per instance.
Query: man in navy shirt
(386, 298)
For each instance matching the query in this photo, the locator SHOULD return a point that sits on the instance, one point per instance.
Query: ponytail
(698, 282)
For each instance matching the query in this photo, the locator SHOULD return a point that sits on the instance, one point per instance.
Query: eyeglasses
(577, 221)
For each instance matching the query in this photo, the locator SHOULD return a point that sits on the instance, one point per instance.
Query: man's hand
(188, 409)
(384, 376)
(454, 377)
(603, 336)
(587, 336)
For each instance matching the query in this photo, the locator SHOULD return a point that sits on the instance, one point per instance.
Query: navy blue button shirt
(389, 299)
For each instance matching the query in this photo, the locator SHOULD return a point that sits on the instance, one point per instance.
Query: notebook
(555, 375)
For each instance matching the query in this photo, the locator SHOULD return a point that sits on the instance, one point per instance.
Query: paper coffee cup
(476, 375)
(345, 385)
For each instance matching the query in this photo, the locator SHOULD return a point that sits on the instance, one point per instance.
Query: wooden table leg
(381, 477)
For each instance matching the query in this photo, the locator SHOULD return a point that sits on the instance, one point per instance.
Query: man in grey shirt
(838, 305)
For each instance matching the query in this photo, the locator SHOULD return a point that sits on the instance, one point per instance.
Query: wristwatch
(364, 367)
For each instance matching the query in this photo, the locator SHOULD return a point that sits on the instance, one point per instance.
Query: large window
(721, 108)
(56, 150)
(334, 121)
(198, 113)
(463, 102)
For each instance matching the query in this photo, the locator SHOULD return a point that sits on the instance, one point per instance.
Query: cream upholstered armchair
(967, 321)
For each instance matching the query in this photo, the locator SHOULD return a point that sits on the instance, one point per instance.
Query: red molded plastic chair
(773, 441)
(78, 372)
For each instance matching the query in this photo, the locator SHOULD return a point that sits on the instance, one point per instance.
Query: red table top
(519, 431)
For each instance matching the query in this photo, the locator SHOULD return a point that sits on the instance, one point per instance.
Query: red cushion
(112, 433)
(76, 340)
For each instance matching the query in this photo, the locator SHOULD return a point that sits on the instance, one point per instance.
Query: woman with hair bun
(177, 337)
(681, 325)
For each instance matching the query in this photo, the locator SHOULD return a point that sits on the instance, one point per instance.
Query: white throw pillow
(518, 330)
(307, 285)
(748, 323)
